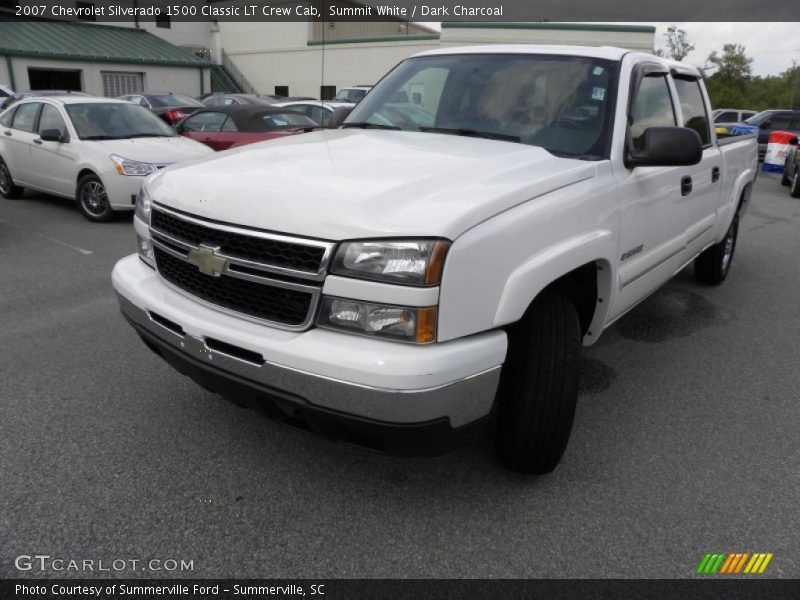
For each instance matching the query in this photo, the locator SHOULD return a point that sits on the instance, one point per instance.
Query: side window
(652, 107)
(781, 121)
(51, 119)
(25, 117)
(693, 107)
(727, 117)
(229, 125)
(6, 119)
(320, 115)
(210, 121)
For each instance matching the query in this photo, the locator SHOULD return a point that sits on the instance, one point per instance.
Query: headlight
(410, 324)
(126, 166)
(410, 262)
(143, 205)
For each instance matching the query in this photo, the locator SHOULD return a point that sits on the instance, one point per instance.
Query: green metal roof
(92, 43)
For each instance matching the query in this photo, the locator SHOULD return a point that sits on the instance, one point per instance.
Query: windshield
(167, 100)
(349, 95)
(115, 121)
(758, 119)
(272, 121)
(561, 103)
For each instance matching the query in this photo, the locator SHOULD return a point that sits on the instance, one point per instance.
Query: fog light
(407, 323)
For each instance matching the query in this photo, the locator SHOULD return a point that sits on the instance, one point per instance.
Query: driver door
(56, 162)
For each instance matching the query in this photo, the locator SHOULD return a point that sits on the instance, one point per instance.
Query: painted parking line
(83, 251)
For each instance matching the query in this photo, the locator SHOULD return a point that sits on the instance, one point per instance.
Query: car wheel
(7, 187)
(714, 263)
(785, 176)
(539, 386)
(794, 192)
(93, 200)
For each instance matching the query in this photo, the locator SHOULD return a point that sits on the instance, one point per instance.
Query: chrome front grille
(258, 275)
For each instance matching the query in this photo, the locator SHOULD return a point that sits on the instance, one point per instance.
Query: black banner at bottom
(376, 589)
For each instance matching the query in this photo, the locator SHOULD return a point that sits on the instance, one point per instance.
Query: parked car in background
(791, 170)
(168, 106)
(230, 126)
(95, 150)
(731, 115)
(352, 94)
(5, 91)
(319, 111)
(38, 94)
(236, 99)
(768, 121)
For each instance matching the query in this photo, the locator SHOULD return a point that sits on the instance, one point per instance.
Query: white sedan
(94, 150)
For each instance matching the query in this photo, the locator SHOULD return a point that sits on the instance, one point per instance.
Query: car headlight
(144, 205)
(409, 262)
(405, 323)
(126, 166)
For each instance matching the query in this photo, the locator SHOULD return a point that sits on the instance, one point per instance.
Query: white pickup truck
(434, 265)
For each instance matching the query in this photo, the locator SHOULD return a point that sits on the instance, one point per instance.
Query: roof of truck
(606, 52)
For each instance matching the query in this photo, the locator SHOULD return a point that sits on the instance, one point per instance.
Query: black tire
(7, 187)
(539, 386)
(714, 264)
(794, 191)
(785, 176)
(92, 199)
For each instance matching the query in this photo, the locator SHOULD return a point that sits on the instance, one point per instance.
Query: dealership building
(314, 58)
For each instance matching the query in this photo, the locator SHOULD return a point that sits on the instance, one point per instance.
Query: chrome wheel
(93, 198)
(5, 180)
(730, 244)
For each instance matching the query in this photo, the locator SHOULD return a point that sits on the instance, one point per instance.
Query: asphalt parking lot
(685, 442)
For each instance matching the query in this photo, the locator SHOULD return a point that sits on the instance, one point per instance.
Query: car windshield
(286, 121)
(759, 118)
(115, 121)
(167, 100)
(561, 103)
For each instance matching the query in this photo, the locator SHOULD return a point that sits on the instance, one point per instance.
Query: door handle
(714, 174)
(686, 185)
(37, 141)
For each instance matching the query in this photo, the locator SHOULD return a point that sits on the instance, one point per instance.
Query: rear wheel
(713, 265)
(93, 200)
(539, 386)
(7, 187)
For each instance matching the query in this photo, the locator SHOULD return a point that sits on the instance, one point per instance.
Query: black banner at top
(507, 11)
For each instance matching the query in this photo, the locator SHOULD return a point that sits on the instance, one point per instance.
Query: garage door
(120, 83)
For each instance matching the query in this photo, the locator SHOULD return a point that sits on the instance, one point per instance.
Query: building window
(85, 11)
(54, 79)
(121, 83)
(282, 90)
(327, 92)
(163, 21)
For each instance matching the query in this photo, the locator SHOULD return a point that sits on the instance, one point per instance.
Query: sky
(772, 46)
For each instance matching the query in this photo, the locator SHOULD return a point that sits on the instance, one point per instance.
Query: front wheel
(93, 200)
(714, 263)
(785, 176)
(7, 187)
(794, 192)
(539, 386)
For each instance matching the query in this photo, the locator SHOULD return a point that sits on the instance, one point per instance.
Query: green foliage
(678, 46)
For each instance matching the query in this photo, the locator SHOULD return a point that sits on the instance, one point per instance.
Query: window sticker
(598, 93)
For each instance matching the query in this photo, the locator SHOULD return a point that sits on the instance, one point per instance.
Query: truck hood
(350, 183)
(158, 150)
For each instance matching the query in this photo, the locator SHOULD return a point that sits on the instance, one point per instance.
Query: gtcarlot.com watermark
(47, 563)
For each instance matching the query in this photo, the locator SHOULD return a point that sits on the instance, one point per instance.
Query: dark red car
(168, 106)
(223, 127)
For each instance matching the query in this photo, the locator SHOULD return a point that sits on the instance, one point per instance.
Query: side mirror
(338, 116)
(666, 147)
(793, 142)
(53, 135)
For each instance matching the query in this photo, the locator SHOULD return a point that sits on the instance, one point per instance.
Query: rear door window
(693, 107)
(25, 118)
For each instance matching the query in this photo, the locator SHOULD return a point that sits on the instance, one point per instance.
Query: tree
(678, 46)
(730, 83)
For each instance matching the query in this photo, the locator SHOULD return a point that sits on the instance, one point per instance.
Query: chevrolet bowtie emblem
(206, 259)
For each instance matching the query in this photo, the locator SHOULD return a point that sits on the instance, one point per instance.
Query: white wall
(4, 78)
(156, 78)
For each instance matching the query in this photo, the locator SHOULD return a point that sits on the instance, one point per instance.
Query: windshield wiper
(100, 137)
(368, 125)
(141, 135)
(488, 135)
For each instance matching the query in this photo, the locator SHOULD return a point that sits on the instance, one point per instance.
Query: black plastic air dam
(430, 438)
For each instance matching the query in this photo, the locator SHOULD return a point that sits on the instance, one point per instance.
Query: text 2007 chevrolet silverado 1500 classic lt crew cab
(435, 264)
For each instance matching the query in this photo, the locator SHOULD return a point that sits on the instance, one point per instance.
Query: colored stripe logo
(734, 563)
